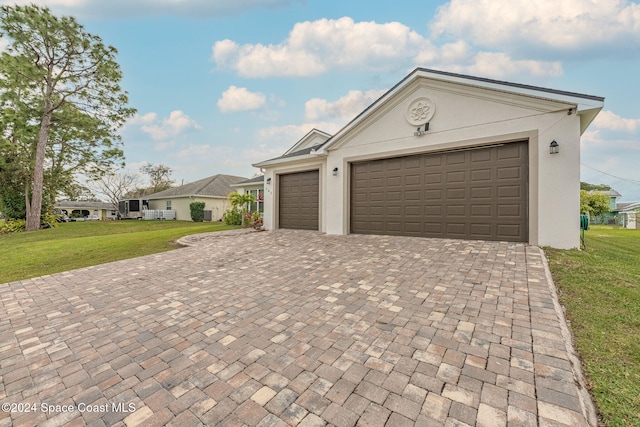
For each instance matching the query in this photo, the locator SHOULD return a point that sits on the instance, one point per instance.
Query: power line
(632, 181)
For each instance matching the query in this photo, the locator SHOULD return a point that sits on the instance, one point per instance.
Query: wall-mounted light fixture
(268, 181)
(554, 148)
(420, 132)
(335, 171)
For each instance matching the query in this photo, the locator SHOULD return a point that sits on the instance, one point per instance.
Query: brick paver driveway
(292, 328)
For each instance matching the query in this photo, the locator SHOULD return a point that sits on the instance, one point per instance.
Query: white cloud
(236, 99)
(314, 47)
(317, 47)
(126, 8)
(164, 131)
(541, 26)
(499, 65)
(143, 120)
(611, 121)
(345, 108)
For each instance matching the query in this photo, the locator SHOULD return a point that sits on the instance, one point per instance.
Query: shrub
(232, 217)
(13, 226)
(197, 211)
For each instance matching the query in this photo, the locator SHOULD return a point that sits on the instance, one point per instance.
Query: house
(441, 155)
(255, 187)
(629, 214)
(86, 210)
(611, 217)
(213, 191)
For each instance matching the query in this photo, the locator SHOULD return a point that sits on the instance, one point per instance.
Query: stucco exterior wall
(464, 117)
(183, 212)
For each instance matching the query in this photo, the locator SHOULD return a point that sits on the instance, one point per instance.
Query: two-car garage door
(476, 193)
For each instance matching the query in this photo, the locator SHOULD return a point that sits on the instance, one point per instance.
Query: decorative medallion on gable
(420, 111)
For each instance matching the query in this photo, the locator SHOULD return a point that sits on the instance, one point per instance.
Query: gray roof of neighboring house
(628, 206)
(213, 186)
(254, 180)
(610, 193)
(83, 205)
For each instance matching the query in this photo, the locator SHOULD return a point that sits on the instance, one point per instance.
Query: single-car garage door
(478, 193)
(299, 200)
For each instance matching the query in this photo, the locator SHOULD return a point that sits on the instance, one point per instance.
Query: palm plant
(240, 201)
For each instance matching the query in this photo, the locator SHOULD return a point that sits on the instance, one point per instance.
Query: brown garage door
(467, 194)
(299, 200)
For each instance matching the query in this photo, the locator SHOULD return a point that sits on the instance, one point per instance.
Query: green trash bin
(584, 225)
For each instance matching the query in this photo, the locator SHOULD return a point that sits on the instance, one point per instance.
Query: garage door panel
(509, 211)
(456, 229)
(479, 156)
(485, 211)
(510, 172)
(433, 178)
(481, 193)
(443, 198)
(299, 200)
(481, 175)
(456, 194)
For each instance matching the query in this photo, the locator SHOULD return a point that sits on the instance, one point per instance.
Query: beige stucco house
(441, 155)
(213, 191)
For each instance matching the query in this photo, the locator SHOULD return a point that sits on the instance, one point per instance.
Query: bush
(13, 226)
(197, 211)
(232, 217)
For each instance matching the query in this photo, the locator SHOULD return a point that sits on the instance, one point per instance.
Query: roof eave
(285, 160)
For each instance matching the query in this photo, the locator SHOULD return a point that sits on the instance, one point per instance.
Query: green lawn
(600, 288)
(82, 244)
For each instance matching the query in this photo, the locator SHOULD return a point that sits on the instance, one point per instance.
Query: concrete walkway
(293, 328)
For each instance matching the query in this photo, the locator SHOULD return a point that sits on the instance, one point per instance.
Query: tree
(596, 204)
(61, 86)
(114, 186)
(159, 177)
(594, 187)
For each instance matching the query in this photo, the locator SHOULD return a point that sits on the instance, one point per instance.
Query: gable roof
(587, 106)
(313, 138)
(218, 186)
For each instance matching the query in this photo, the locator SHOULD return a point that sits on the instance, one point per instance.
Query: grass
(600, 289)
(82, 244)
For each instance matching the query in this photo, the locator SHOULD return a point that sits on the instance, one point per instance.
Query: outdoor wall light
(553, 147)
(268, 181)
(335, 171)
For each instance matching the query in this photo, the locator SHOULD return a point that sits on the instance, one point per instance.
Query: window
(168, 205)
(258, 196)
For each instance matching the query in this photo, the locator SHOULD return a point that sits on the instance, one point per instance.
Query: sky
(221, 84)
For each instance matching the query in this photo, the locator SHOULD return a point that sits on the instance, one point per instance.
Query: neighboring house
(612, 217)
(629, 214)
(255, 187)
(441, 155)
(87, 210)
(213, 191)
